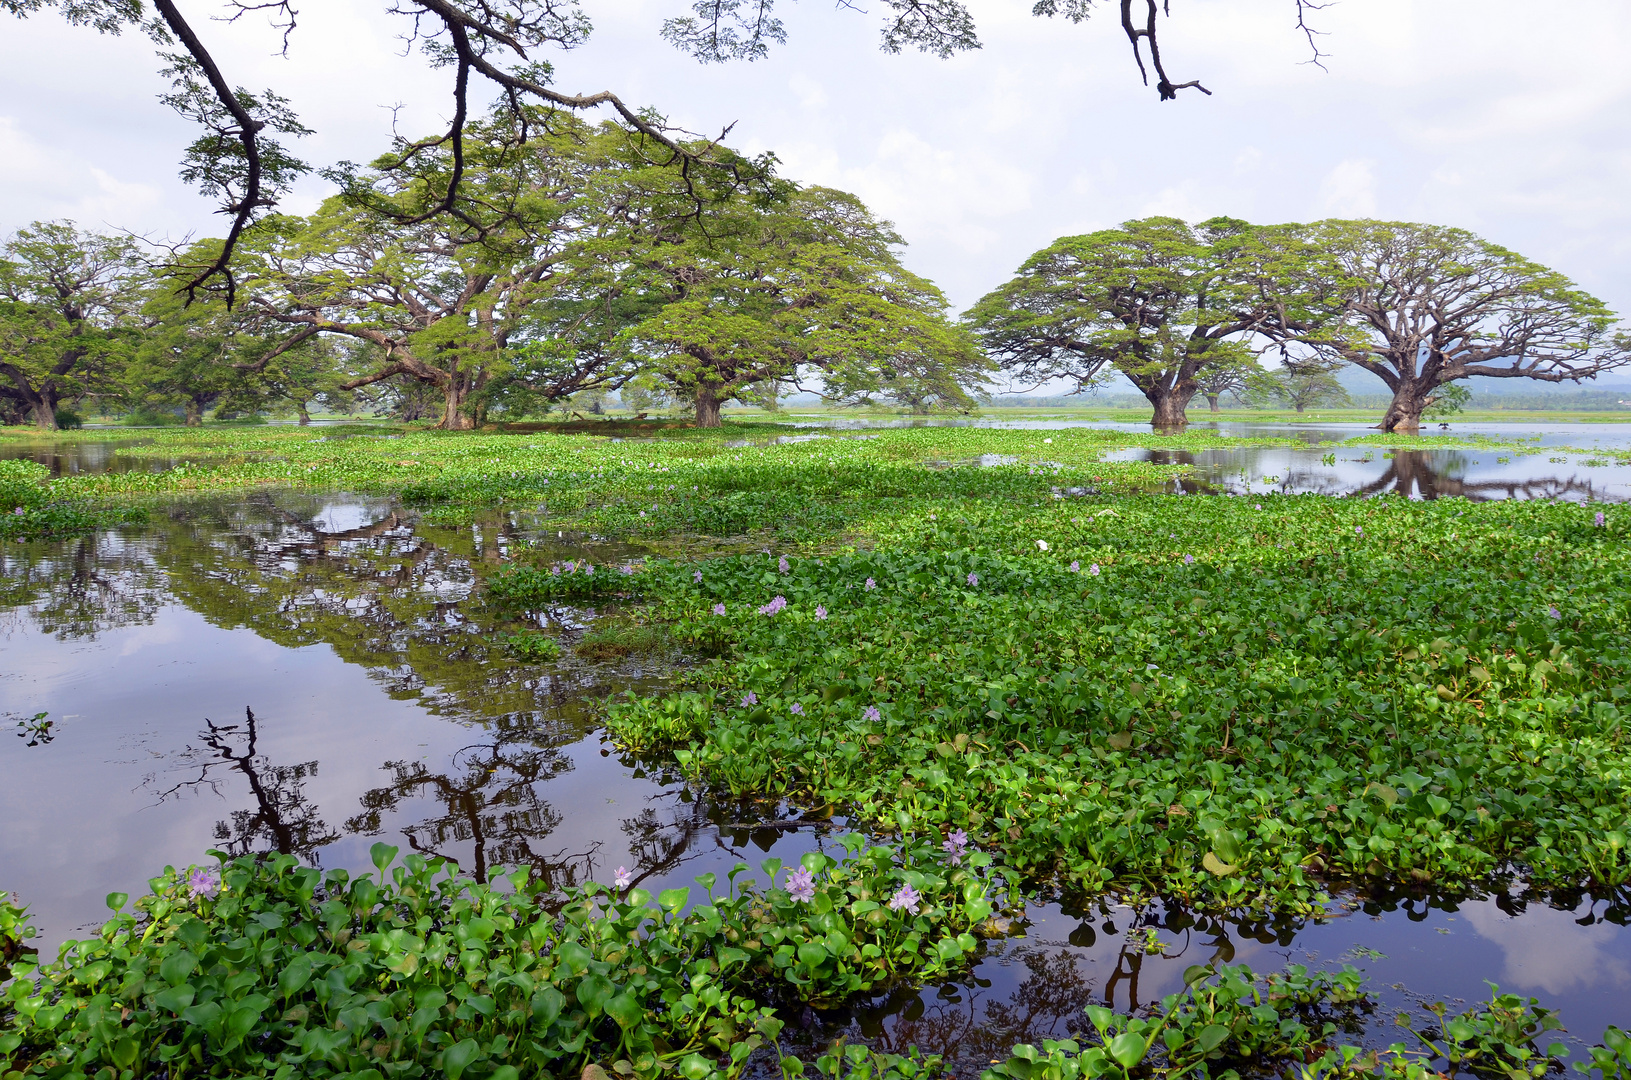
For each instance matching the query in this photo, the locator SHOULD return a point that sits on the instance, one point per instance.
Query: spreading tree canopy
(1157, 300)
(66, 296)
(807, 284)
(1421, 306)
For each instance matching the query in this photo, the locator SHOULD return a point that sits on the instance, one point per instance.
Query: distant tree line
(575, 268)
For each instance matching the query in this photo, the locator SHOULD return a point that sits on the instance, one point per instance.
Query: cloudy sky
(1486, 114)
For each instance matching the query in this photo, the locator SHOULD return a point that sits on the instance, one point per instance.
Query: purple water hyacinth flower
(19, 510)
(1094, 569)
(623, 879)
(202, 882)
(956, 845)
(556, 570)
(870, 584)
(905, 900)
(821, 612)
(696, 576)
(801, 885)
(589, 571)
(749, 698)
(796, 709)
(782, 567)
(1189, 560)
(973, 579)
(571, 567)
(1257, 506)
(1552, 612)
(1359, 530)
(1598, 519)
(872, 715)
(774, 606)
(719, 609)
(1075, 566)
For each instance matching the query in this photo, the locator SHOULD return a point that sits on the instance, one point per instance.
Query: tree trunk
(45, 412)
(453, 415)
(1170, 405)
(195, 413)
(1212, 401)
(707, 406)
(305, 417)
(1404, 412)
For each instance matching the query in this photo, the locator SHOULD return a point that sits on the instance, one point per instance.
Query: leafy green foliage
(268, 968)
(1230, 1018)
(532, 646)
(1242, 705)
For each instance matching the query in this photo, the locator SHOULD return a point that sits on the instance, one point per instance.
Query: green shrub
(68, 420)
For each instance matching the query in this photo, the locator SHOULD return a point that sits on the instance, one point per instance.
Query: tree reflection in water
(493, 812)
(1414, 474)
(282, 819)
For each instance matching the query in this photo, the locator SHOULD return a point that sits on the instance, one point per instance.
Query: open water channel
(312, 674)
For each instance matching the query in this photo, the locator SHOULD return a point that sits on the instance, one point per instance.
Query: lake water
(316, 673)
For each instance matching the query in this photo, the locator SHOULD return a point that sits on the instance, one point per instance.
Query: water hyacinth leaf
(117, 900)
(1196, 973)
(1226, 846)
(1217, 866)
(1438, 805)
(593, 993)
(176, 998)
(695, 1067)
(175, 968)
(1210, 1037)
(1385, 793)
(459, 1057)
(1128, 1049)
(672, 900)
(124, 1052)
(626, 1010)
(812, 954)
(383, 855)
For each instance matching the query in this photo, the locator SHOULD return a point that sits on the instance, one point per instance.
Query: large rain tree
(1167, 305)
(453, 302)
(65, 297)
(499, 45)
(806, 285)
(1422, 306)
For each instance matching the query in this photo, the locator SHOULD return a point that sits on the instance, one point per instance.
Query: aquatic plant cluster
(1240, 703)
(1245, 706)
(29, 507)
(263, 967)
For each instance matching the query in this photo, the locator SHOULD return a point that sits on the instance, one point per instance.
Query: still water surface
(312, 674)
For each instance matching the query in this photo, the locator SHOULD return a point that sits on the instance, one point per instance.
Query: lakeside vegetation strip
(261, 967)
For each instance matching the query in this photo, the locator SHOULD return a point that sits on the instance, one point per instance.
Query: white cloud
(1548, 950)
(1349, 189)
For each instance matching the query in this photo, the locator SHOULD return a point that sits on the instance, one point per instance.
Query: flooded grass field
(313, 673)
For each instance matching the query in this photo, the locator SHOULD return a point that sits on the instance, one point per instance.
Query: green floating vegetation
(531, 646)
(1229, 1022)
(1232, 702)
(263, 967)
(31, 509)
